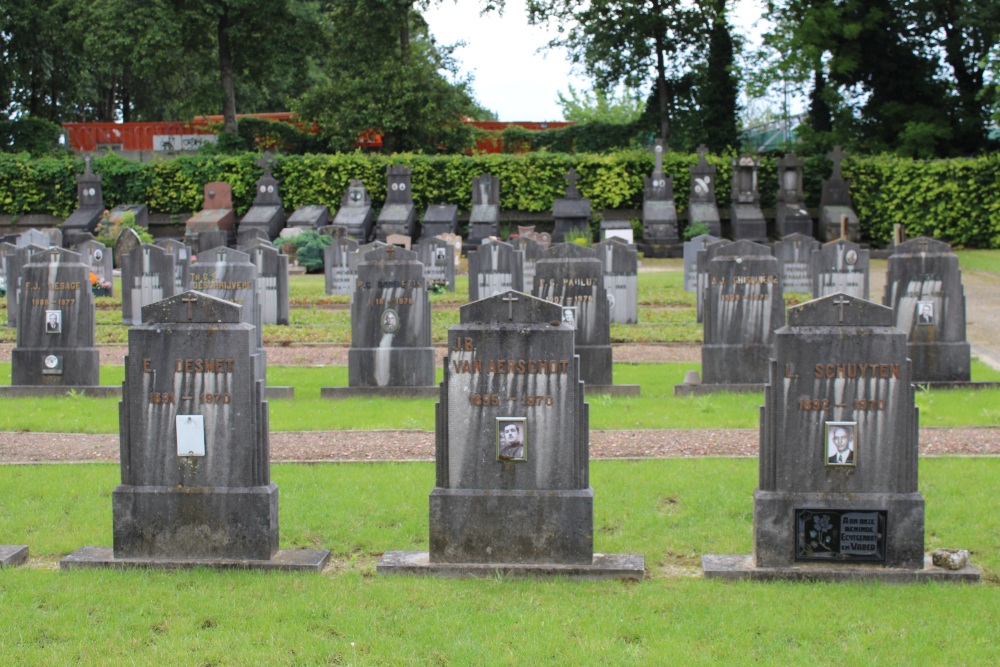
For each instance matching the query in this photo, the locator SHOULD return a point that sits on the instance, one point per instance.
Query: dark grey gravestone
(691, 249)
(791, 216)
(701, 284)
(745, 215)
(840, 267)
(205, 241)
(56, 236)
(531, 251)
(139, 214)
(127, 241)
(356, 214)
(924, 289)
(438, 258)
(195, 457)
(267, 212)
(272, 284)
(494, 268)
(794, 253)
(35, 237)
(659, 213)
(484, 218)
(572, 211)
(248, 237)
(101, 262)
(702, 206)
(340, 275)
(398, 215)
(620, 264)
(390, 322)
(512, 443)
(312, 217)
(216, 212)
(835, 203)
(55, 323)
(6, 250)
(182, 262)
(148, 276)
(355, 258)
(15, 263)
(334, 231)
(90, 205)
(439, 219)
(571, 276)
(744, 306)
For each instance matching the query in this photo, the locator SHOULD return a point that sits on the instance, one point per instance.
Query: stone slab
(703, 389)
(279, 392)
(286, 560)
(603, 566)
(335, 393)
(740, 568)
(42, 391)
(13, 554)
(611, 389)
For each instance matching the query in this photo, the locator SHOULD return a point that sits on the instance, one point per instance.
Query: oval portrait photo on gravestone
(512, 439)
(390, 321)
(841, 443)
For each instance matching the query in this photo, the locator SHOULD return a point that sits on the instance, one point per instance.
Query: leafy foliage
(309, 250)
(32, 135)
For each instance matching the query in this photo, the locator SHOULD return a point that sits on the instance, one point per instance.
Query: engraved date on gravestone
(844, 536)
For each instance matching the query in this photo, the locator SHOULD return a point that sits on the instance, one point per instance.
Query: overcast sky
(511, 77)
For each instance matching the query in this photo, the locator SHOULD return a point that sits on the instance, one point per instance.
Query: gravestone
(702, 206)
(840, 267)
(272, 284)
(390, 323)
(744, 214)
(512, 491)
(484, 218)
(248, 237)
(924, 289)
(438, 259)
(15, 263)
(494, 268)
(355, 258)
(454, 242)
(55, 322)
(148, 275)
(339, 273)
(127, 241)
(205, 241)
(90, 205)
(398, 215)
(701, 285)
(139, 214)
(571, 212)
(543, 239)
(35, 237)
(267, 212)
(794, 253)
(838, 497)
(691, 249)
(182, 262)
(835, 203)
(196, 487)
(439, 219)
(216, 214)
(311, 217)
(355, 214)
(620, 265)
(571, 276)
(660, 237)
(99, 257)
(6, 250)
(744, 305)
(531, 251)
(790, 215)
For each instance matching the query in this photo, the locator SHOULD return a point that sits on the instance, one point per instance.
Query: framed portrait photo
(925, 312)
(53, 321)
(841, 443)
(569, 316)
(512, 439)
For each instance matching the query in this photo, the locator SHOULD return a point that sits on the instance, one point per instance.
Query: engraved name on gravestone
(494, 268)
(744, 305)
(659, 213)
(924, 289)
(55, 325)
(439, 219)
(90, 205)
(101, 263)
(571, 276)
(704, 256)
(835, 203)
(839, 443)
(702, 206)
(691, 249)
(15, 266)
(267, 212)
(398, 215)
(438, 258)
(182, 262)
(356, 214)
(571, 212)
(745, 215)
(148, 276)
(390, 322)
(530, 251)
(840, 267)
(339, 274)
(272, 284)
(791, 216)
(620, 264)
(794, 253)
(484, 218)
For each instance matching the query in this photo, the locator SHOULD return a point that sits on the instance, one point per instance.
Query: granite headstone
(438, 259)
(702, 258)
(484, 218)
(840, 267)
(398, 215)
(340, 275)
(494, 268)
(571, 212)
(311, 216)
(794, 253)
(745, 215)
(216, 212)
(127, 241)
(659, 213)
(90, 205)
(691, 248)
(835, 203)
(791, 216)
(182, 262)
(99, 256)
(356, 214)
(439, 219)
(272, 284)
(15, 262)
(148, 275)
(702, 206)
(620, 264)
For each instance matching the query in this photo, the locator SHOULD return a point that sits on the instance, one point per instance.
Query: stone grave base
(939, 362)
(564, 226)
(46, 390)
(391, 367)
(13, 554)
(279, 392)
(656, 248)
(335, 393)
(791, 220)
(741, 568)
(80, 366)
(703, 389)
(748, 223)
(310, 560)
(603, 566)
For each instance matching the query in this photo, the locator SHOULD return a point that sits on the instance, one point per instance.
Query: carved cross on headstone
(389, 250)
(190, 300)
(510, 299)
(923, 246)
(836, 155)
(571, 178)
(265, 163)
(842, 301)
(704, 243)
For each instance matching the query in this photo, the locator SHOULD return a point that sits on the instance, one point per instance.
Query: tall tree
(719, 86)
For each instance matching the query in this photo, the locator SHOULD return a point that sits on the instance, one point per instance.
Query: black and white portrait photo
(569, 316)
(841, 443)
(925, 312)
(53, 321)
(512, 442)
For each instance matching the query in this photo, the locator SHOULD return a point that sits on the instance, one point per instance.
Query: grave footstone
(311, 216)
(127, 241)
(272, 284)
(439, 219)
(702, 206)
(356, 215)
(744, 214)
(924, 289)
(216, 214)
(494, 268)
(794, 253)
(398, 215)
(703, 257)
(835, 203)
(840, 267)
(571, 212)
(340, 275)
(148, 275)
(182, 262)
(438, 258)
(620, 265)
(837, 497)
(484, 218)
(90, 205)
(196, 488)
(691, 249)
(15, 265)
(267, 212)
(660, 235)
(512, 490)
(791, 216)
(100, 259)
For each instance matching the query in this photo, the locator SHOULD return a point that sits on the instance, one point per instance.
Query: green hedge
(956, 200)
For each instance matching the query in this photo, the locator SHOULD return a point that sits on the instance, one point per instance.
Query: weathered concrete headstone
(195, 488)
(439, 219)
(55, 323)
(310, 217)
(484, 218)
(356, 214)
(703, 257)
(148, 275)
(248, 237)
(35, 237)
(6, 249)
(205, 241)
(354, 259)
(791, 216)
(398, 215)
(835, 203)
(272, 284)
(99, 256)
(702, 206)
(571, 212)
(438, 259)
(794, 253)
(182, 262)
(340, 275)
(745, 215)
(267, 212)
(216, 212)
(660, 236)
(924, 289)
(691, 249)
(494, 268)
(513, 488)
(14, 266)
(127, 241)
(840, 267)
(620, 264)
(543, 239)
(90, 205)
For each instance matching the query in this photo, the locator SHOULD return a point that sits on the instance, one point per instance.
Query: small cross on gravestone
(571, 190)
(510, 299)
(842, 301)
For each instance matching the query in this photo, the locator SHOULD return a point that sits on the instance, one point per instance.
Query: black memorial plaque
(840, 536)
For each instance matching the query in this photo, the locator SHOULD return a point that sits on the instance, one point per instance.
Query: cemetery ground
(687, 492)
